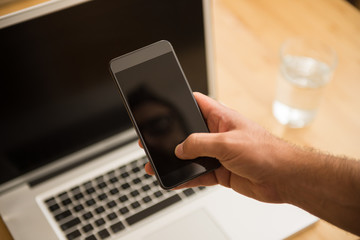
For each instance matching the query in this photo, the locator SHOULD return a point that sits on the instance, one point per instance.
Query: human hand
(252, 159)
(262, 166)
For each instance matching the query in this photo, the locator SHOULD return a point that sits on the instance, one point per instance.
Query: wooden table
(247, 36)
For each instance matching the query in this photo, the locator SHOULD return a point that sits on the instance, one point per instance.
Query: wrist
(294, 171)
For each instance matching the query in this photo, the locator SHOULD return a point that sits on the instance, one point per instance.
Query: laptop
(70, 165)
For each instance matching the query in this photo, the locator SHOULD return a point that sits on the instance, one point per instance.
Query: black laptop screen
(57, 95)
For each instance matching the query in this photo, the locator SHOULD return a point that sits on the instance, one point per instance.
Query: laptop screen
(57, 95)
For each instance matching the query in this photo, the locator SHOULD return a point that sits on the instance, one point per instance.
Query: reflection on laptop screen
(57, 94)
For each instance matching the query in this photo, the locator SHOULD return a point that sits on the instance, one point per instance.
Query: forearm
(326, 186)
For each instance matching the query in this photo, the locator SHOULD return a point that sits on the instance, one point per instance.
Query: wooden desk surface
(247, 37)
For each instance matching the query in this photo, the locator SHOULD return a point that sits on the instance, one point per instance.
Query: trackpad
(196, 225)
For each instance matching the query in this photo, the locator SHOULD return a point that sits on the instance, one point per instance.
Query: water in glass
(300, 83)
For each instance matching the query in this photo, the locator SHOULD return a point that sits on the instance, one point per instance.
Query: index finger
(140, 144)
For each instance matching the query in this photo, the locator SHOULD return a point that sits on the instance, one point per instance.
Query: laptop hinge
(45, 177)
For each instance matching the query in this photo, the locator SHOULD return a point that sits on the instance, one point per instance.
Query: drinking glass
(306, 67)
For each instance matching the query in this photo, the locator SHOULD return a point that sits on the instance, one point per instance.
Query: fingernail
(179, 150)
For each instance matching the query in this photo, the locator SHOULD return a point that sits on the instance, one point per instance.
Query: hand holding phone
(163, 110)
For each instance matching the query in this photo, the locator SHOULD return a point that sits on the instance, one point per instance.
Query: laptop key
(134, 193)
(111, 216)
(70, 224)
(117, 227)
(100, 222)
(87, 215)
(63, 215)
(111, 173)
(147, 199)
(90, 190)
(99, 179)
(78, 208)
(146, 188)
(114, 179)
(78, 196)
(153, 209)
(136, 181)
(134, 163)
(87, 228)
(124, 210)
(146, 176)
(75, 190)
(188, 192)
(91, 237)
(73, 235)
(158, 194)
(123, 198)
(114, 191)
(87, 184)
(111, 204)
(66, 201)
(135, 205)
(90, 202)
(50, 201)
(102, 185)
(100, 210)
(125, 186)
(63, 195)
(104, 234)
(125, 175)
(54, 207)
(102, 196)
(122, 168)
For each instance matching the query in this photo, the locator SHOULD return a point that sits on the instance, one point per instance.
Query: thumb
(199, 145)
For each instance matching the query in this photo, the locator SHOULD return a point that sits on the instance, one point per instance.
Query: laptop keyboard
(110, 203)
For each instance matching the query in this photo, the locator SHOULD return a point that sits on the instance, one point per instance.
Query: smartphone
(163, 110)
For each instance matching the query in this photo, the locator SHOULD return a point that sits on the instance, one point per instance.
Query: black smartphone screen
(164, 112)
